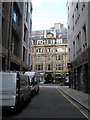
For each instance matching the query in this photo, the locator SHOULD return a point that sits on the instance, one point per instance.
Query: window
(84, 29)
(59, 68)
(26, 5)
(49, 50)
(29, 59)
(32, 50)
(84, 37)
(24, 54)
(41, 67)
(62, 67)
(83, 4)
(73, 48)
(32, 42)
(59, 57)
(38, 67)
(49, 58)
(59, 41)
(62, 57)
(39, 42)
(39, 50)
(79, 41)
(69, 54)
(49, 42)
(56, 67)
(4, 3)
(77, 5)
(39, 58)
(73, 22)
(59, 50)
(48, 67)
(14, 16)
(56, 57)
(25, 30)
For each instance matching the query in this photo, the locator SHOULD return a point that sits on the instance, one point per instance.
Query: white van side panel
(8, 96)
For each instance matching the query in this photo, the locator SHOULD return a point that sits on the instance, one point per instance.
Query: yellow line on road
(83, 112)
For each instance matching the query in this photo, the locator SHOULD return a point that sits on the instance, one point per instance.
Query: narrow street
(49, 103)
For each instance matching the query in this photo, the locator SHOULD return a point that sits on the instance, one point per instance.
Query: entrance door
(49, 78)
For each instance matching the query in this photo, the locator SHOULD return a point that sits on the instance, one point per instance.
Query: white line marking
(83, 112)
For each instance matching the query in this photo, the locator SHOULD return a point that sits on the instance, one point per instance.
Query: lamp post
(54, 75)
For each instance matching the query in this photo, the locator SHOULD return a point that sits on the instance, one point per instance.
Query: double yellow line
(81, 110)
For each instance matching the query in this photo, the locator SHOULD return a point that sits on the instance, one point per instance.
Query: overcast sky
(47, 12)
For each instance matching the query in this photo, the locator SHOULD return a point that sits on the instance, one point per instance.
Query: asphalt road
(49, 103)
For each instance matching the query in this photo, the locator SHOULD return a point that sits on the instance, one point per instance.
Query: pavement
(78, 96)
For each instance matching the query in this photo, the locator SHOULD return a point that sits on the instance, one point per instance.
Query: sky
(47, 12)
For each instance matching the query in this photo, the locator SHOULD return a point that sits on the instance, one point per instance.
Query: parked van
(34, 81)
(15, 90)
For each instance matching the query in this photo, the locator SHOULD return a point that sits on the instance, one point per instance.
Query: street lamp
(54, 74)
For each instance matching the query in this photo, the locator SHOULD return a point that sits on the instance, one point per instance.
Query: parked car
(34, 81)
(66, 82)
(15, 90)
(42, 81)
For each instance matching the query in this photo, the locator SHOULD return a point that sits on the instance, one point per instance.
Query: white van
(34, 81)
(15, 90)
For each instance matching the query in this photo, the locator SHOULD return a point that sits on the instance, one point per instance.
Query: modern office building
(79, 44)
(0, 19)
(49, 53)
(16, 30)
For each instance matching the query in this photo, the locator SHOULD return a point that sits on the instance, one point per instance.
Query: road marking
(48, 86)
(82, 111)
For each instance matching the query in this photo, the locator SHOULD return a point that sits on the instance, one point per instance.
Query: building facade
(49, 53)
(16, 35)
(79, 44)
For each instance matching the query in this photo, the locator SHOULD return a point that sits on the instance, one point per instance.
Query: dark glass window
(14, 17)
(59, 57)
(48, 67)
(38, 67)
(59, 68)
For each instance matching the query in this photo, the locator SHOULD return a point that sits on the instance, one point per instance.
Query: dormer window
(49, 42)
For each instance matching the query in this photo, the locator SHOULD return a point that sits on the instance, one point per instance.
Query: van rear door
(8, 91)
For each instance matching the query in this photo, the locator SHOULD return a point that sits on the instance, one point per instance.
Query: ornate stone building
(49, 53)
(16, 24)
